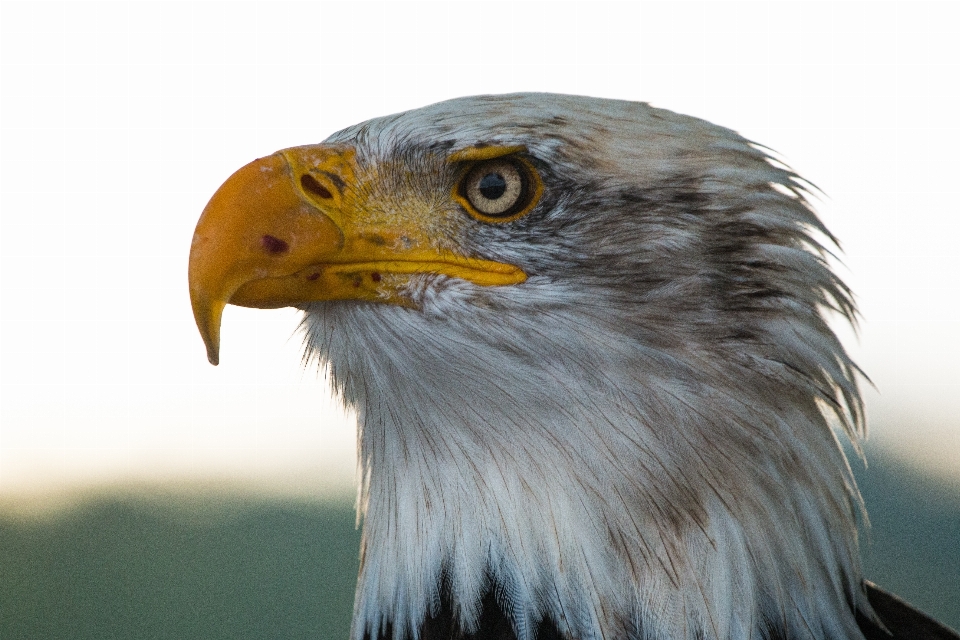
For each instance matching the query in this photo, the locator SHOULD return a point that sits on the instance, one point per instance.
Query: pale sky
(119, 121)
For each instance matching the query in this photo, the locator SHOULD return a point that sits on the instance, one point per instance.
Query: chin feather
(616, 491)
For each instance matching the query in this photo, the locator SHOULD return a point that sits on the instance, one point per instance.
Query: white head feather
(636, 442)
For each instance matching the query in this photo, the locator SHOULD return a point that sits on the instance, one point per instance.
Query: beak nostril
(310, 184)
(274, 245)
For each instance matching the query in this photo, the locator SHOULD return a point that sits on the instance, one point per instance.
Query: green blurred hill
(210, 567)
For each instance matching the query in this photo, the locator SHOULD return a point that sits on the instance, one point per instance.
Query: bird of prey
(587, 344)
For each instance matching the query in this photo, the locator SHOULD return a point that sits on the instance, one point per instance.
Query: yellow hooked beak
(293, 228)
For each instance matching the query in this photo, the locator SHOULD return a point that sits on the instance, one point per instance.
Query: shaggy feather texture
(639, 440)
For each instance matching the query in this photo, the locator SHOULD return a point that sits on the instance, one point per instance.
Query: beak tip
(208, 313)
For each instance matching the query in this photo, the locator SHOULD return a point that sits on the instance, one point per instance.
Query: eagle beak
(290, 229)
(256, 229)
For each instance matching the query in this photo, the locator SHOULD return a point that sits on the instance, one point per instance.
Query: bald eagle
(588, 348)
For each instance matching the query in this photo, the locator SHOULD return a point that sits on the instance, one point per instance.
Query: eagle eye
(499, 190)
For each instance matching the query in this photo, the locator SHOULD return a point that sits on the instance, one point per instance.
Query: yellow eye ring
(498, 190)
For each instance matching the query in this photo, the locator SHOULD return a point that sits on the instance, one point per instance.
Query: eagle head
(587, 345)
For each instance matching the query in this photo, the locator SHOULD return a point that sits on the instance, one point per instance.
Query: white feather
(608, 467)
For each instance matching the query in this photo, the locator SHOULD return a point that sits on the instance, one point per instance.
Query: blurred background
(144, 493)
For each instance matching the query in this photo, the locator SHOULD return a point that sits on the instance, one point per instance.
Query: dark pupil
(492, 186)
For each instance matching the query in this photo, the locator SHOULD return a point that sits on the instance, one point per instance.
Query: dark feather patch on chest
(493, 625)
